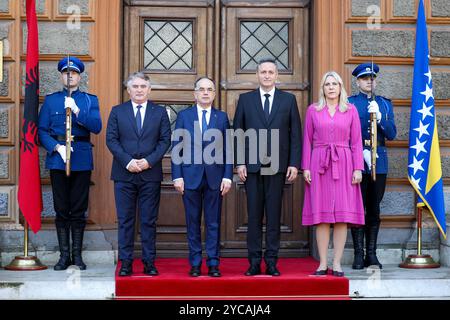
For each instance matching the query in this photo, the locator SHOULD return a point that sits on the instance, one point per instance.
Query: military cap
(75, 64)
(365, 69)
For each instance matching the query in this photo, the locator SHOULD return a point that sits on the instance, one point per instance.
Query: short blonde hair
(343, 97)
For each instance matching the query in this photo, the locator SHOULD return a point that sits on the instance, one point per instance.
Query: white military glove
(367, 158)
(374, 108)
(70, 103)
(62, 152)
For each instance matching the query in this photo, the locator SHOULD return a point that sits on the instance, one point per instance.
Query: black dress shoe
(253, 270)
(338, 273)
(214, 271)
(126, 269)
(150, 269)
(195, 271)
(320, 272)
(272, 270)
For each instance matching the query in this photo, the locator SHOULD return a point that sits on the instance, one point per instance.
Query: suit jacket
(284, 116)
(191, 172)
(52, 123)
(125, 144)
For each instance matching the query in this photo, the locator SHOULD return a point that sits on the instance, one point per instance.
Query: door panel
(223, 40)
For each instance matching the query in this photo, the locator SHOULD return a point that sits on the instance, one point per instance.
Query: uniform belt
(75, 139)
(379, 143)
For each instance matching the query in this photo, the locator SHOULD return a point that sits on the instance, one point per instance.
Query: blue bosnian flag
(424, 161)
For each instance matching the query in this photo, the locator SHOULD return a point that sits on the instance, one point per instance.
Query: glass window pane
(168, 45)
(264, 39)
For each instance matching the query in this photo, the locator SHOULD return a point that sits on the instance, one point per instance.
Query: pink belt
(331, 156)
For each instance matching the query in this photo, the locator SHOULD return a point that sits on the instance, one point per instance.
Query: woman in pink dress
(332, 164)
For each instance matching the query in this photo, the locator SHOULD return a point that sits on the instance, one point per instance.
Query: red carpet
(173, 282)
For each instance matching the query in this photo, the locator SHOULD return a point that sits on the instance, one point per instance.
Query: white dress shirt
(135, 110)
(142, 110)
(200, 115)
(263, 98)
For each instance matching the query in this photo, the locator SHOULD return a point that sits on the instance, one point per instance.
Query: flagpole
(25, 239)
(419, 260)
(25, 262)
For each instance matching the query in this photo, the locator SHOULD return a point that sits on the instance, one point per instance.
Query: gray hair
(137, 75)
(264, 60)
(201, 78)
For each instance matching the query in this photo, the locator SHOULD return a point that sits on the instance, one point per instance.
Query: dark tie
(204, 124)
(267, 106)
(139, 119)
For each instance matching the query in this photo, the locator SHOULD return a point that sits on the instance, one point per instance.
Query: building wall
(349, 32)
(89, 29)
(341, 40)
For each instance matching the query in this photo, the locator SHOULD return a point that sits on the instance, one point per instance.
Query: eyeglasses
(209, 90)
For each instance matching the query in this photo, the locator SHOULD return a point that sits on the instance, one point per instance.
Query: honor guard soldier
(70, 192)
(372, 191)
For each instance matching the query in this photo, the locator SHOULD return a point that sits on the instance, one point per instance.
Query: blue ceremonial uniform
(372, 191)
(386, 128)
(52, 123)
(70, 193)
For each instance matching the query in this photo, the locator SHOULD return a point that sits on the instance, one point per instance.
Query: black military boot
(371, 247)
(358, 245)
(77, 245)
(64, 262)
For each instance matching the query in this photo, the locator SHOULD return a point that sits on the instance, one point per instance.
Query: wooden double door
(175, 42)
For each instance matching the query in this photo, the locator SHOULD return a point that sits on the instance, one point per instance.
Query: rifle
(373, 132)
(69, 137)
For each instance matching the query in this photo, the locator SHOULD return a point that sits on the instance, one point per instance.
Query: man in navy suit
(267, 110)
(70, 194)
(138, 136)
(202, 177)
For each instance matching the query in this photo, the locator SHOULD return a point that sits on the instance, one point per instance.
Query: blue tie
(267, 106)
(139, 119)
(204, 124)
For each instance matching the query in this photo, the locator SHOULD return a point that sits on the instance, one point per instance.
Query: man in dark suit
(138, 136)
(272, 111)
(202, 177)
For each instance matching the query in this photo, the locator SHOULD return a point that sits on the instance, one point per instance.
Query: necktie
(139, 119)
(204, 124)
(267, 106)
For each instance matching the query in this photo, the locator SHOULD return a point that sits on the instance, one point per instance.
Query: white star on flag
(422, 129)
(419, 146)
(428, 93)
(428, 75)
(425, 111)
(416, 182)
(416, 165)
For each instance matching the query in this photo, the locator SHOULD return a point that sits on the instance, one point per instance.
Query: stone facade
(392, 46)
(395, 40)
(56, 39)
(404, 8)
(440, 8)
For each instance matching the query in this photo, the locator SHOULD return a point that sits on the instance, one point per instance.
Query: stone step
(97, 283)
(94, 283)
(393, 282)
(49, 258)
(393, 256)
